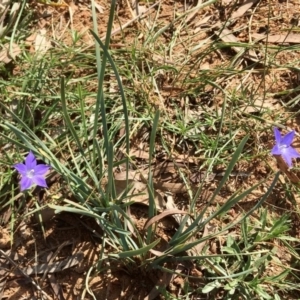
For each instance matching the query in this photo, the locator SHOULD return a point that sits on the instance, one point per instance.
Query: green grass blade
(139, 252)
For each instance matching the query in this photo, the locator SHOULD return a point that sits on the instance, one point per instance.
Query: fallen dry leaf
(5, 238)
(137, 18)
(7, 54)
(202, 21)
(41, 43)
(170, 205)
(162, 282)
(136, 191)
(29, 40)
(4, 273)
(18, 270)
(56, 287)
(208, 229)
(162, 215)
(139, 154)
(259, 105)
(130, 175)
(243, 8)
(99, 7)
(58, 266)
(176, 188)
(227, 37)
(292, 38)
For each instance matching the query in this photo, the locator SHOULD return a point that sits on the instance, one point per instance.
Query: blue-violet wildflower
(31, 172)
(283, 146)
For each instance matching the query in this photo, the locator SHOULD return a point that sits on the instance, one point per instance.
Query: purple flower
(283, 146)
(31, 172)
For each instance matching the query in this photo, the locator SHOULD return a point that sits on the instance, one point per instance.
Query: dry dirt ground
(53, 264)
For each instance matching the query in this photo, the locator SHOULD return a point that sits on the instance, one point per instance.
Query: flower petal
(288, 154)
(41, 169)
(292, 152)
(287, 158)
(25, 183)
(30, 161)
(40, 181)
(288, 138)
(277, 135)
(21, 168)
(276, 150)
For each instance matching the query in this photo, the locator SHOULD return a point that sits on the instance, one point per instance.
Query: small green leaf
(211, 286)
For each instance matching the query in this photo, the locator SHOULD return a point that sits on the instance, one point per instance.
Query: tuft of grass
(71, 114)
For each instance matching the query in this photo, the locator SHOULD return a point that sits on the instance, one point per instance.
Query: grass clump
(135, 129)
